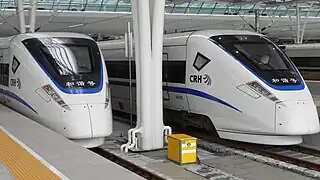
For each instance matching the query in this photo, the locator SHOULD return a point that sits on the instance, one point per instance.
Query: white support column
(145, 56)
(133, 132)
(300, 30)
(134, 9)
(20, 11)
(298, 17)
(151, 7)
(32, 15)
(149, 132)
(305, 22)
(257, 20)
(157, 49)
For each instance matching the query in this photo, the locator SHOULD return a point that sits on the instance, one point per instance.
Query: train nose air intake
(296, 117)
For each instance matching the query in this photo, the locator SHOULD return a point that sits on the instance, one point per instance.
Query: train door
(174, 79)
(165, 94)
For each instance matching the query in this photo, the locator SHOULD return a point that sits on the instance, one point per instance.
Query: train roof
(300, 46)
(181, 38)
(219, 32)
(21, 37)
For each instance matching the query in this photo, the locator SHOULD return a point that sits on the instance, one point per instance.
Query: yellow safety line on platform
(20, 163)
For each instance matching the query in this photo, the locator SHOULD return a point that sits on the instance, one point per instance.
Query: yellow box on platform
(182, 148)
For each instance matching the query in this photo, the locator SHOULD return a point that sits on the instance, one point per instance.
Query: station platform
(211, 165)
(30, 151)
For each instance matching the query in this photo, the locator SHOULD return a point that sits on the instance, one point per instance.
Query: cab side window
(4, 74)
(200, 61)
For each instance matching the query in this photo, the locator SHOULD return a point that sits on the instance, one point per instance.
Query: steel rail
(127, 164)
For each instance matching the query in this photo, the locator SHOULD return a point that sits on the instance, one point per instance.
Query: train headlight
(55, 96)
(261, 90)
(107, 95)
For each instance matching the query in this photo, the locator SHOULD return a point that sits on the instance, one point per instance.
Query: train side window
(4, 74)
(175, 71)
(200, 61)
(15, 64)
(306, 61)
(308, 67)
(120, 69)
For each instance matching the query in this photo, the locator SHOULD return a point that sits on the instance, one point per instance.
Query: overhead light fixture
(76, 25)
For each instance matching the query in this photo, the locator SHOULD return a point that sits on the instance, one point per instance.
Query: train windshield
(260, 55)
(67, 59)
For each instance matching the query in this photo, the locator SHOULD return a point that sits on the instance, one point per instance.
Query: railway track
(295, 155)
(304, 157)
(126, 164)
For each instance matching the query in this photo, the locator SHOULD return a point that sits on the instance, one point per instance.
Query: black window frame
(55, 64)
(266, 74)
(175, 70)
(33, 45)
(14, 70)
(4, 74)
(203, 65)
(305, 62)
(307, 70)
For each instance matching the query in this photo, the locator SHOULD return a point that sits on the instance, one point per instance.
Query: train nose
(296, 117)
(85, 121)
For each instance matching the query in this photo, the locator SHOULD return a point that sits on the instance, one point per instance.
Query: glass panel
(207, 8)
(67, 56)
(313, 13)
(180, 8)
(200, 61)
(261, 56)
(168, 9)
(309, 62)
(15, 64)
(93, 7)
(193, 8)
(308, 67)
(220, 9)
(68, 59)
(123, 7)
(264, 56)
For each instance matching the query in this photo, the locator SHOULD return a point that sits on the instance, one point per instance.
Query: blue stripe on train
(16, 97)
(200, 94)
(184, 90)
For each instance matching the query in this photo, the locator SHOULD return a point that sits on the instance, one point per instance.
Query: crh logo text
(200, 79)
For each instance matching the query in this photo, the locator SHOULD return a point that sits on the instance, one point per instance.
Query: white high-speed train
(241, 81)
(60, 81)
(307, 59)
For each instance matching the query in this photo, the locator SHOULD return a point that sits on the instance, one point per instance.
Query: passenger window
(200, 61)
(175, 71)
(4, 74)
(120, 69)
(308, 66)
(310, 62)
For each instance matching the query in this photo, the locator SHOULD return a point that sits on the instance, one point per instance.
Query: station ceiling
(109, 17)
